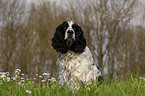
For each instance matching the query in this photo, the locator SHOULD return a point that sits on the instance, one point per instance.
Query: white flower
(22, 74)
(40, 76)
(36, 74)
(142, 78)
(27, 91)
(22, 80)
(7, 74)
(4, 79)
(46, 74)
(30, 92)
(13, 78)
(49, 79)
(3, 76)
(43, 80)
(8, 79)
(17, 71)
(53, 79)
(1, 73)
(17, 76)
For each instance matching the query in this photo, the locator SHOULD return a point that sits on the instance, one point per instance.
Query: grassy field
(48, 86)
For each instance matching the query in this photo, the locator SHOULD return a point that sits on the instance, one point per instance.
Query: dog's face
(68, 32)
(68, 36)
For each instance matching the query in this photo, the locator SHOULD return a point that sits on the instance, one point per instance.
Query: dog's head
(69, 36)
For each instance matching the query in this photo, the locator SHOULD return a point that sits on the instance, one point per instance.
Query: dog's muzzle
(70, 34)
(69, 37)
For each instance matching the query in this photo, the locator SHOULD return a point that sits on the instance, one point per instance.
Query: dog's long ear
(58, 41)
(80, 42)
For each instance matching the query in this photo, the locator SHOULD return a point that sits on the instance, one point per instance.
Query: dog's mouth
(69, 41)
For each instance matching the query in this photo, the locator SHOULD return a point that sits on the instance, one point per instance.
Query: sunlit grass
(46, 85)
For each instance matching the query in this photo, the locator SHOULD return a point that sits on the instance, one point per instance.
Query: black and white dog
(75, 59)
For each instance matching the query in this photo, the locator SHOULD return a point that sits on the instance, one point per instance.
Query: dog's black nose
(70, 32)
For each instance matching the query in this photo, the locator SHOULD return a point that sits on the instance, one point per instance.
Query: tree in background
(26, 32)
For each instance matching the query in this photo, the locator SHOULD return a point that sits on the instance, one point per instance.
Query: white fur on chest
(76, 68)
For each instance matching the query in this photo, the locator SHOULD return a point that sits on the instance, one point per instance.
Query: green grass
(129, 87)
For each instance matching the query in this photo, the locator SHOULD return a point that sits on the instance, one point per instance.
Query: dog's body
(77, 68)
(75, 59)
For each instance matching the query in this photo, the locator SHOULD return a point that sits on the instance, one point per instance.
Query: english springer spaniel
(76, 65)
